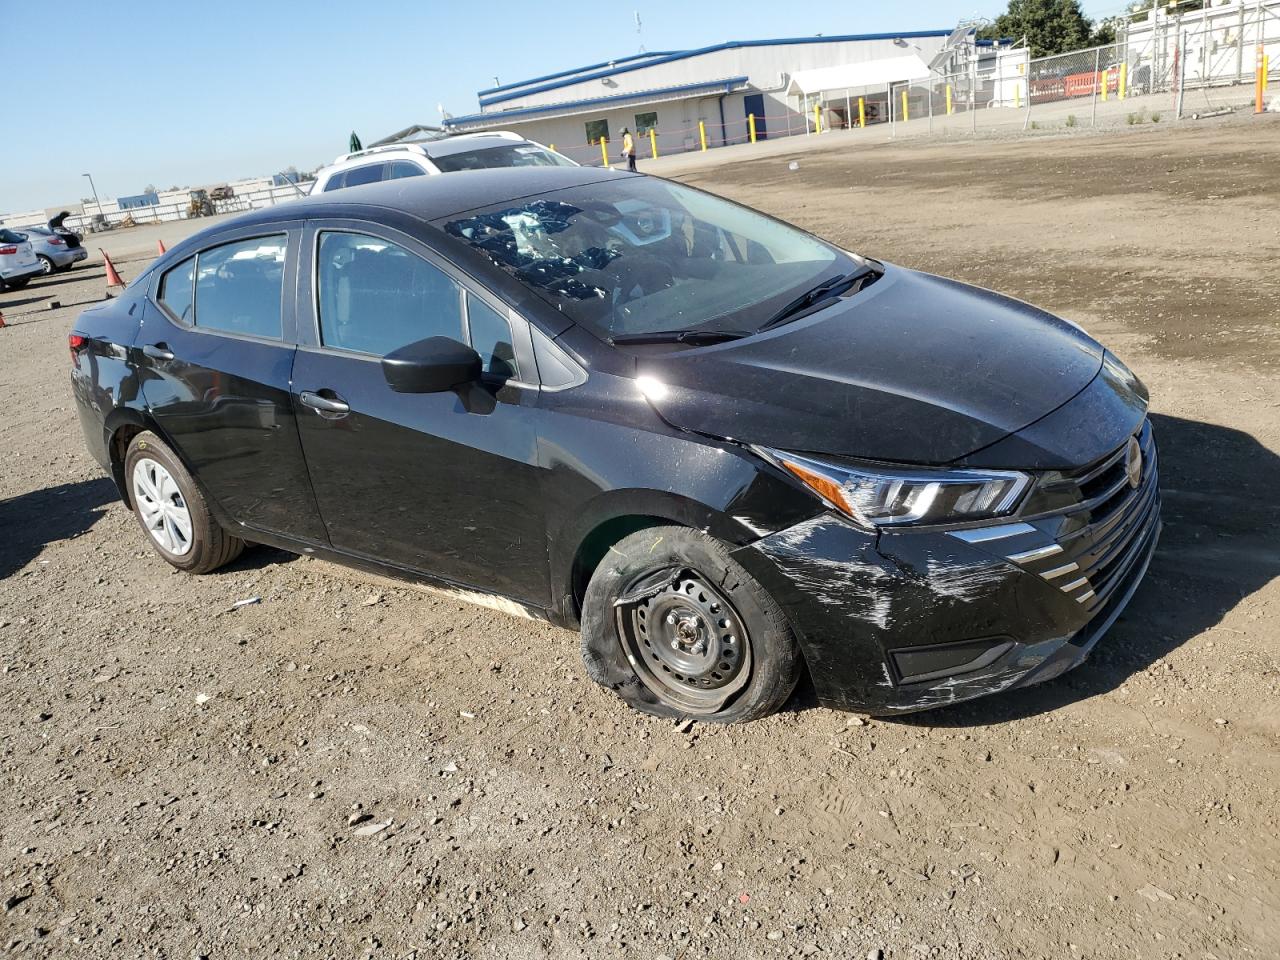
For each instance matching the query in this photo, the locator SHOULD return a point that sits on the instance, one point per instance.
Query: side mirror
(433, 365)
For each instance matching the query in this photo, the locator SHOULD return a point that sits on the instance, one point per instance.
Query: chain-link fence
(1202, 63)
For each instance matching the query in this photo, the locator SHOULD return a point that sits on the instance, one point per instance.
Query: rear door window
(375, 296)
(239, 285)
(403, 168)
(362, 175)
(177, 289)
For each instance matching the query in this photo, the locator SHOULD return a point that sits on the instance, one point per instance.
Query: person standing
(629, 149)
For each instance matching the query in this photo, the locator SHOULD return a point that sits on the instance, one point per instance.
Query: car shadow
(31, 521)
(257, 556)
(11, 304)
(1219, 546)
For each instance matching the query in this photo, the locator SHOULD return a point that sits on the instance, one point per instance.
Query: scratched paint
(966, 582)
(831, 581)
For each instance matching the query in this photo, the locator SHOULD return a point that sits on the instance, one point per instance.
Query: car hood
(913, 369)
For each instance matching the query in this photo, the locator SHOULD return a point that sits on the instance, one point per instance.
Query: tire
(162, 494)
(47, 265)
(695, 636)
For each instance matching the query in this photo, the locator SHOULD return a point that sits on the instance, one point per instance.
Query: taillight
(77, 343)
(56, 241)
(8, 251)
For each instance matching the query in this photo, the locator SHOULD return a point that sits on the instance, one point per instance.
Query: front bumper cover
(857, 602)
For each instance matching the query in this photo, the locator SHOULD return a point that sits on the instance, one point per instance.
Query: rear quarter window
(177, 290)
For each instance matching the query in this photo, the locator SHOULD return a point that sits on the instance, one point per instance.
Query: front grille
(1101, 539)
(1092, 546)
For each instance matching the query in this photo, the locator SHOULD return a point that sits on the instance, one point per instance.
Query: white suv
(18, 261)
(467, 151)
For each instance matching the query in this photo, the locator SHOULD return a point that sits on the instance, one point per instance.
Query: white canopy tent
(851, 76)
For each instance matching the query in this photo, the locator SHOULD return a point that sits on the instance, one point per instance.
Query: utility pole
(95, 193)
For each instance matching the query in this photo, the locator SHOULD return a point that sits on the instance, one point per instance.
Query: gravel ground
(352, 767)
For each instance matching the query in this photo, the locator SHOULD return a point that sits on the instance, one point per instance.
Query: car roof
(428, 147)
(470, 142)
(429, 198)
(425, 198)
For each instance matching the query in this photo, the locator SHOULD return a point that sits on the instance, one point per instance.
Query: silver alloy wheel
(47, 267)
(161, 506)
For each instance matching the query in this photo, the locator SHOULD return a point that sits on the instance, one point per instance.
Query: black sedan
(722, 448)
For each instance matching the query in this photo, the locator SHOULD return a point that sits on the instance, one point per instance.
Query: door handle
(157, 351)
(323, 404)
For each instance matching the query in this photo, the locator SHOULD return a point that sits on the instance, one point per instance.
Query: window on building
(645, 122)
(597, 130)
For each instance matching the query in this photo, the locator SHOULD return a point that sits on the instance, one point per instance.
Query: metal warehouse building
(683, 95)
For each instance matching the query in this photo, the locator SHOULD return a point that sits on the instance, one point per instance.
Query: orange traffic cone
(160, 250)
(113, 278)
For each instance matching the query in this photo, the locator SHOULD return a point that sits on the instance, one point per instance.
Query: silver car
(18, 262)
(56, 247)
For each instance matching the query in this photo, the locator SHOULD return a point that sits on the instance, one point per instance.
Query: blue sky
(181, 92)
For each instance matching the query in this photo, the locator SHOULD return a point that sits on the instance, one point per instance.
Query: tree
(1049, 26)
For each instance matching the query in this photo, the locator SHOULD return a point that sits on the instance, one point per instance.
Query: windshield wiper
(691, 337)
(826, 290)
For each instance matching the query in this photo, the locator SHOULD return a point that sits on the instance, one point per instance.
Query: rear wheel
(677, 628)
(46, 265)
(172, 511)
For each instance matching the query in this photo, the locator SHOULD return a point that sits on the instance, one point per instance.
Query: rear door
(216, 354)
(439, 483)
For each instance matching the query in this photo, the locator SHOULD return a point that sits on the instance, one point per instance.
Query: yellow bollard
(653, 143)
(949, 107)
(862, 112)
(817, 118)
(1259, 80)
(1124, 79)
(604, 151)
(1106, 82)
(702, 135)
(751, 126)
(906, 114)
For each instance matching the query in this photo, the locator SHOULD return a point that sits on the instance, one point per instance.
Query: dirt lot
(176, 776)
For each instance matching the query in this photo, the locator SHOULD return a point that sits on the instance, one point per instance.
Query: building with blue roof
(683, 95)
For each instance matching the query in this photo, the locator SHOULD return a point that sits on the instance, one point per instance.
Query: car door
(215, 354)
(440, 483)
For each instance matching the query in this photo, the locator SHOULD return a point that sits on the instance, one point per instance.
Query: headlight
(875, 497)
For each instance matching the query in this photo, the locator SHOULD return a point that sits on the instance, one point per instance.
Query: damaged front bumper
(911, 620)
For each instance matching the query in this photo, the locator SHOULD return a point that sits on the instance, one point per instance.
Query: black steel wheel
(676, 627)
(686, 642)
